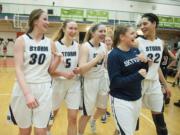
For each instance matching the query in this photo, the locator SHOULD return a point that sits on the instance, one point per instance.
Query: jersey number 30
(37, 59)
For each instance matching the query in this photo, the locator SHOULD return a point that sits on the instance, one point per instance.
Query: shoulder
(160, 42)
(19, 45)
(136, 50)
(115, 57)
(140, 38)
(76, 44)
(84, 47)
(47, 40)
(20, 40)
(138, 41)
(53, 44)
(58, 45)
(114, 53)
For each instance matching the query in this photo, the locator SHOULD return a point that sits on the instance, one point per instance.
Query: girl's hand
(142, 57)
(143, 72)
(69, 75)
(77, 70)
(31, 101)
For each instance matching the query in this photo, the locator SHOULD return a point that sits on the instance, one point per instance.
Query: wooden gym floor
(7, 77)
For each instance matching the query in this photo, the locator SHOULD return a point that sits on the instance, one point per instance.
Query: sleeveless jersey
(70, 56)
(153, 50)
(98, 70)
(37, 58)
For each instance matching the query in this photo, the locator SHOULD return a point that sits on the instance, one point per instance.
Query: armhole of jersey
(77, 46)
(139, 40)
(25, 38)
(56, 45)
(162, 44)
(87, 45)
(50, 42)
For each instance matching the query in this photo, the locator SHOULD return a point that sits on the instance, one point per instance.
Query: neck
(152, 36)
(67, 41)
(95, 42)
(123, 47)
(109, 48)
(36, 34)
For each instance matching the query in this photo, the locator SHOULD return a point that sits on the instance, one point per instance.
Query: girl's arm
(55, 61)
(19, 63)
(85, 66)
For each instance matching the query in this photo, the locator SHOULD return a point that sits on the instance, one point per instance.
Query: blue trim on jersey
(63, 43)
(92, 44)
(123, 67)
(32, 38)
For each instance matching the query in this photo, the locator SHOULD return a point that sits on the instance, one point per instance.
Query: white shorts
(68, 90)
(24, 117)
(95, 94)
(125, 114)
(152, 96)
(106, 82)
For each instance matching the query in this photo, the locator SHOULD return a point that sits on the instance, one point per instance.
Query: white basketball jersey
(37, 58)
(70, 56)
(153, 50)
(98, 70)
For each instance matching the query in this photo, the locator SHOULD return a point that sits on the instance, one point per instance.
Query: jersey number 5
(37, 59)
(68, 63)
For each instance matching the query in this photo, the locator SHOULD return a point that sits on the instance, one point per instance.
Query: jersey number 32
(155, 57)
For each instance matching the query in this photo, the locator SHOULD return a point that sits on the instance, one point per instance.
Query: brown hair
(35, 14)
(119, 30)
(60, 33)
(91, 30)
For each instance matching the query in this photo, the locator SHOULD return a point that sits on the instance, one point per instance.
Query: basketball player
(91, 64)
(108, 43)
(126, 71)
(166, 55)
(31, 102)
(152, 47)
(66, 84)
